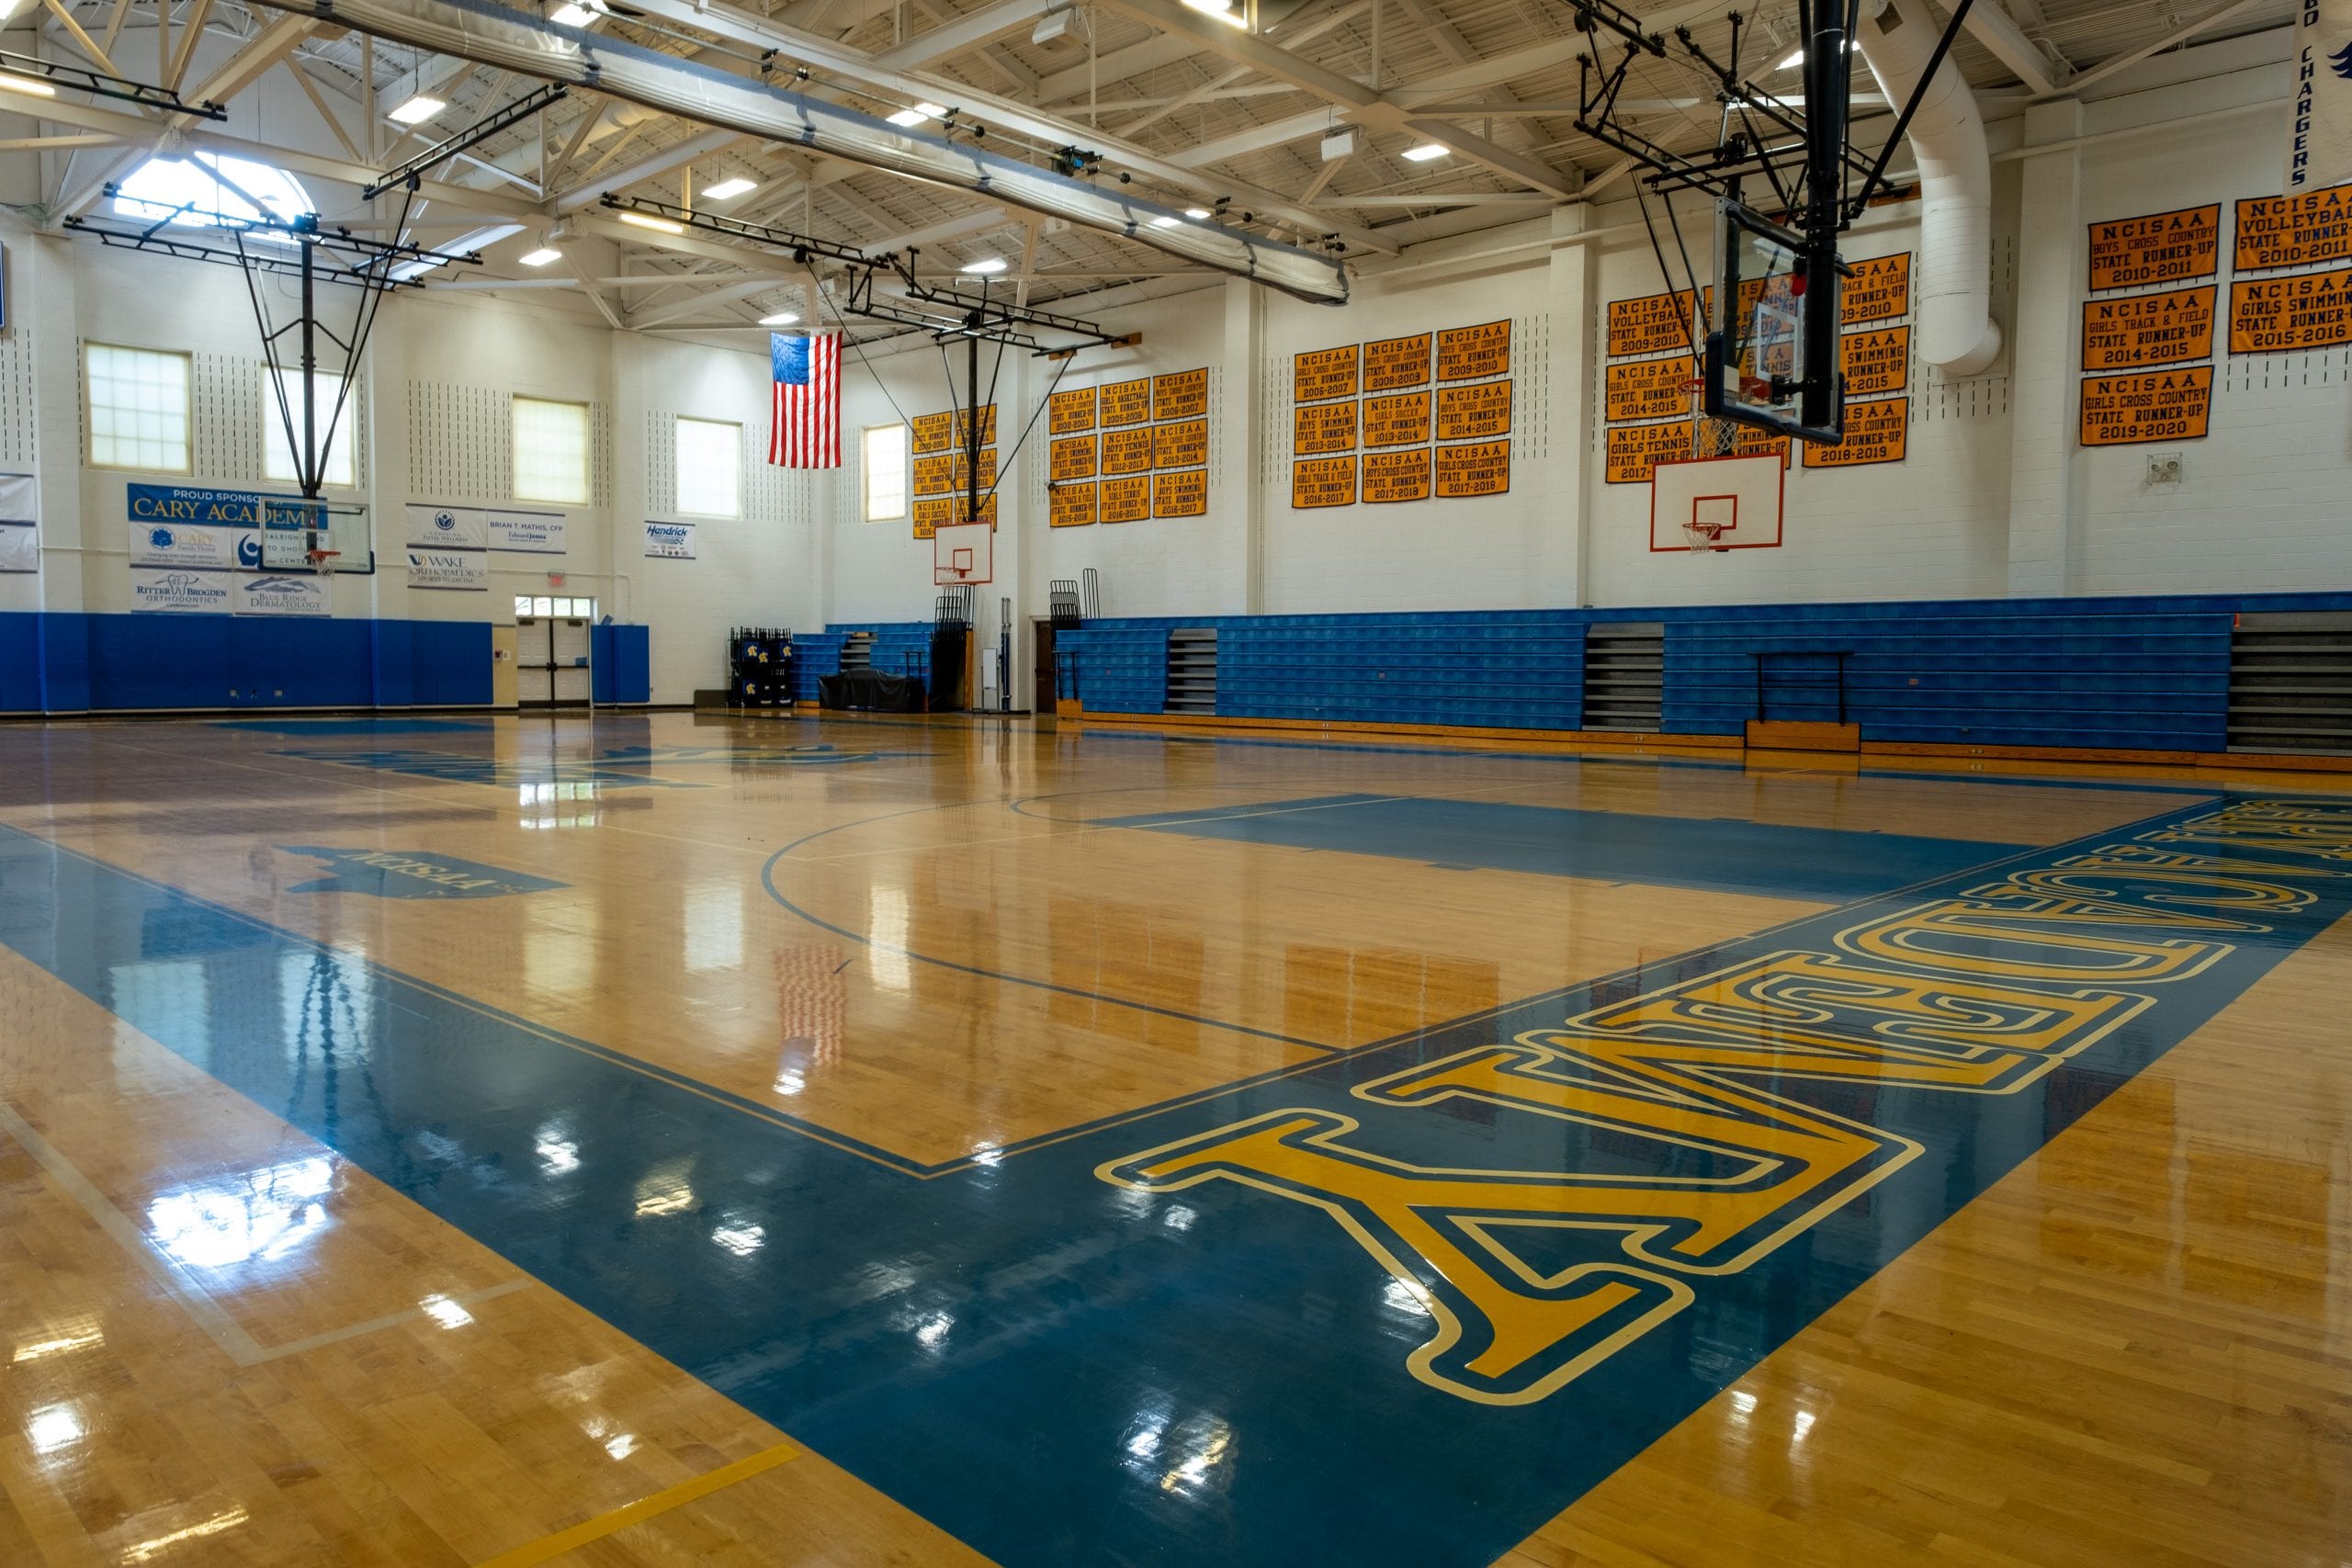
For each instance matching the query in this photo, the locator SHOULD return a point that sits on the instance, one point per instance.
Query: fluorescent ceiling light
(1424, 152)
(568, 16)
(985, 265)
(918, 114)
(464, 244)
(1796, 56)
(781, 318)
(659, 225)
(26, 85)
(1221, 9)
(727, 190)
(1050, 26)
(1197, 214)
(542, 256)
(417, 110)
(1163, 221)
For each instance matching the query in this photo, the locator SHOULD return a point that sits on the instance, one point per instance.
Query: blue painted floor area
(1718, 854)
(1057, 1369)
(353, 725)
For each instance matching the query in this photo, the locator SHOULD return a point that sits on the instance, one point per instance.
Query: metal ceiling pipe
(514, 40)
(1957, 331)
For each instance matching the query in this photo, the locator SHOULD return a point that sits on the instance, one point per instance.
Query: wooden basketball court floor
(672, 1139)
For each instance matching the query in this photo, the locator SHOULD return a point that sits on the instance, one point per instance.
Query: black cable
(1043, 403)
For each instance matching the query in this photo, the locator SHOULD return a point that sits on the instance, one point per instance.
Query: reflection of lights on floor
(622, 1446)
(566, 804)
(557, 1152)
(445, 1312)
(1405, 1297)
(264, 1215)
(932, 1332)
(664, 1192)
(54, 1427)
(77, 1334)
(742, 1240)
(154, 1545)
(789, 1081)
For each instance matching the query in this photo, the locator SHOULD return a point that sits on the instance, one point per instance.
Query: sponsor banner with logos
(281, 596)
(2319, 126)
(670, 541)
(20, 546)
(18, 501)
(448, 528)
(223, 508)
(527, 533)
(468, 569)
(178, 592)
(195, 547)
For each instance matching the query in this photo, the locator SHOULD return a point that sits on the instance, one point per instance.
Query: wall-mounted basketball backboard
(1717, 503)
(1772, 344)
(962, 553)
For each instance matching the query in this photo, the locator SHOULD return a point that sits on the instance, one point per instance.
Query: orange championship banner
(1073, 459)
(1181, 494)
(2159, 405)
(1180, 446)
(1323, 427)
(1648, 389)
(1651, 324)
(2294, 230)
(1476, 468)
(1396, 476)
(1322, 481)
(931, 515)
(1184, 395)
(1468, 414)
(1127, 451)
(1394, 363)
(1634, 451)
(1069, 412)
(929, 433)
(2285, 315)
(1322, 374)
(1127, 402)
(1876, 432)
(988, 427)
(2142, 329)
(1126, 500)
(934, 475)
(960, 477)
(1473, 354)
(1400, 421)
(1875, 361)
(1070, 505)
(1880, 289)
(1753, 442)
(2157, 247)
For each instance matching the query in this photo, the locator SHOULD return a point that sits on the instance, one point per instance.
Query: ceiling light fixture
(1220, 9)
(1051, 25)
(1796, 56)
(1339, 142)
(985, 265)
(726, 190)
(26, 85)
(918, 114)
(1164, 222)
(417, 110)
(570, 16)
(1197, 214)
(541, 257)
(659, 225)
(781, 318)
(1424, 152)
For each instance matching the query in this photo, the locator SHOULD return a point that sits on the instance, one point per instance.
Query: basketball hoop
(1705, 536)
(322, 562)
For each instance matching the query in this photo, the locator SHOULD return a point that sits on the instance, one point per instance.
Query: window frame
(587, 450)
(343, 436)
(866, 473)
(187, 410)
(678, 466)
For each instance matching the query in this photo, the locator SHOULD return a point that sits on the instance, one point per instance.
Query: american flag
(807, 430)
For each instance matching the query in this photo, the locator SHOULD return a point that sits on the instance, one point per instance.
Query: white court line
(239, 1345)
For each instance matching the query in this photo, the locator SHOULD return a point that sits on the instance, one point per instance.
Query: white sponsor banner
(193, 546)
(670, 541)
(531, 533)
(18, 502)
(281, 596)
(2319, 137)
(448, 569)
(20, 547)
(448, 528)
(180, 592)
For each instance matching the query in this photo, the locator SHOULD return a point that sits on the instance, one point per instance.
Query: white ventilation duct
(518, 41)
(1957, 332)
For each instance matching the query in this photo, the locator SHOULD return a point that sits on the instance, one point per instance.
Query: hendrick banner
(670, 541)
(467, 569)
(2319, 134)
(280, 596)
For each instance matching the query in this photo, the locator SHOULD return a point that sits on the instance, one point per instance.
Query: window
(137, 409)
(278, 452)
(202, 189)
(886, 472)
(711, 468)
(539, 605)
(550, 451)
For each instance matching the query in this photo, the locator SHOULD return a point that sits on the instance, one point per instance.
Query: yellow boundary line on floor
(644, 1508)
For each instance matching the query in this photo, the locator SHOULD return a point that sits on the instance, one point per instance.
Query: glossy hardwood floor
(668, 1139)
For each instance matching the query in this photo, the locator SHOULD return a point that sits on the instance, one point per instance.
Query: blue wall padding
(74, 664)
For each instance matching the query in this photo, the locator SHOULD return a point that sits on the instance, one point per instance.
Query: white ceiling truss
(1177, 112)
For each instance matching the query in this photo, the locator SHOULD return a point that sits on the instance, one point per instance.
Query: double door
(551, 661)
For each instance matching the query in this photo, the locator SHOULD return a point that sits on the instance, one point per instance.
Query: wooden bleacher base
(1795, 735)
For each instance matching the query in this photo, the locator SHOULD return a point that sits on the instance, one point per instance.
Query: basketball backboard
(1772, 339)
(963, 552)
(1717, 503)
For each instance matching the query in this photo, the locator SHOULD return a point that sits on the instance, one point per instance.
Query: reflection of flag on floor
(2319, 136)
(812, 1004)
(807, 430)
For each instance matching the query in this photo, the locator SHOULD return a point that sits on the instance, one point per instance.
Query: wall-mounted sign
(467, 571)
(1184, 395)
(930, 433)
(1322, 481)
(1068, 413)
(1181, 494)
(1876, 432)
(1323, 427)
(527, 533)
(1634, 449)
(930, 517)
(298, 596)
(2282, 315)
(176, 592)
(1182, 445)
(2142, 329)
(1324, 373)
(1472, 412)
(664, 541)
(1396, 476)
(2157, 247)
(934, 475)
(959, 473)
(1399, 421)
(1070, 505)
(223, 508)
(963, 436)
(1876, 361)
(1648, 389)
(1126, 500)
(1072, 459)
(1478, 467)
(1880, 288)
(1651, 324)
(448, 528)
(1127, 451)
(20, 546)
(190, 547)
(2159, 405)
(1127, 402)
(1394, 363)
(2295, 230)
(1471, 353)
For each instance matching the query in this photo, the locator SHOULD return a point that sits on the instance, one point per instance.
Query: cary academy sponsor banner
(223, 508)
(2319, 137)
(280, 596)
(670, 541)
